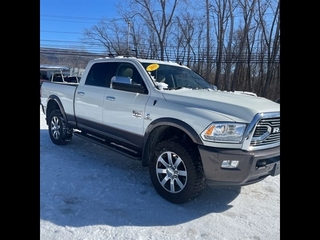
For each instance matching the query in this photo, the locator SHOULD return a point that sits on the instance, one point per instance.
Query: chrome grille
(267, 132)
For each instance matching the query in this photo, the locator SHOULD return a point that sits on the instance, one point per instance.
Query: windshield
(177, 77)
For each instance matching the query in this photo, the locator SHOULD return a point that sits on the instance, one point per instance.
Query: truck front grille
(267, 132)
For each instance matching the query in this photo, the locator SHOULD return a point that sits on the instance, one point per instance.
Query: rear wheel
(59, 133)
(176, 172)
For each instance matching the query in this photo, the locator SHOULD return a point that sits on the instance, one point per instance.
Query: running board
(110, 145)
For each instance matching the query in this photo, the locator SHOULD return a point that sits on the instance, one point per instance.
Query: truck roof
(142, 60)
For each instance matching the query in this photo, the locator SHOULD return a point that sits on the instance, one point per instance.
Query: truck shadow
(83, 184)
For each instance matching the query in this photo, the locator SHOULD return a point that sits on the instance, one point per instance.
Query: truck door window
(125, 70)
(130, 71)
(100, 74)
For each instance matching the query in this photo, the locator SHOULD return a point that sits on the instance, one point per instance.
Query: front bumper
(253, 166)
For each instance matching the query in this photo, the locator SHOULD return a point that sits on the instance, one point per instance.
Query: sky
(88, 192)
(63, 21)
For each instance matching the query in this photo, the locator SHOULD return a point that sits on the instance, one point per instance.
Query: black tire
(176, 172)
(58, 131)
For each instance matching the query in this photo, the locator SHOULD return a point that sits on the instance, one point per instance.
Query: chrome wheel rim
(171, 172)
(55, 127)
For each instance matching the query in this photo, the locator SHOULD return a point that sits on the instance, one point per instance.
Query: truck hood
(234, 105)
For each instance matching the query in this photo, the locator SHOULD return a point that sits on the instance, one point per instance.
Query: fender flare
(186, 128)
(57, 100)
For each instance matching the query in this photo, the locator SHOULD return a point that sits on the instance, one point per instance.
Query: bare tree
(221, 14)
(158, 15)
(109, 34)
(208, 39)
(272, 40)
(229, 51)
(184, 33)
(250, 58)
(248, 9)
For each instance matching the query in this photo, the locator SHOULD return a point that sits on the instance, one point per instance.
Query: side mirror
(125, 84)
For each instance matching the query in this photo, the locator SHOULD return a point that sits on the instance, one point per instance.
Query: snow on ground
(89, 192)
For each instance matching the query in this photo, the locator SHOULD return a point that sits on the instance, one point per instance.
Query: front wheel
(59, 133)
(176, 172)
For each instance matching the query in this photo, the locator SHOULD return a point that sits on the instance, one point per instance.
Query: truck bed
(65, 91)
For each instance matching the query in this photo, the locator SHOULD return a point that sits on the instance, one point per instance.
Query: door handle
(110, 98)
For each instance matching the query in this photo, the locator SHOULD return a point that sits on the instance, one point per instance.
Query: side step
(136, 155)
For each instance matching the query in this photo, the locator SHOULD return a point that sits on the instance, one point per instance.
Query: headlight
(224, 132)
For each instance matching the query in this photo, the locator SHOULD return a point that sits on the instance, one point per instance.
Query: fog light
(230, 164)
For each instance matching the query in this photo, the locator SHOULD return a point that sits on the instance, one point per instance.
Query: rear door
(90, 96)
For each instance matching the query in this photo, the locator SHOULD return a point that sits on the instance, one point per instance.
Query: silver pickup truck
(186, 132)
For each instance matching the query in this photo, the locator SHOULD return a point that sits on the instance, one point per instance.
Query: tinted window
(100, 74)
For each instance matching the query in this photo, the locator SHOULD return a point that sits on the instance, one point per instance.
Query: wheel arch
(163, 129)
(54, 103)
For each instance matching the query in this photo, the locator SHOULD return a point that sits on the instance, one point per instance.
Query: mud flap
(276, 169)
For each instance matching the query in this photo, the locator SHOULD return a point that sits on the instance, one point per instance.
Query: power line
(60, 32)
(69, 17)
(60, 20)
(254, 58)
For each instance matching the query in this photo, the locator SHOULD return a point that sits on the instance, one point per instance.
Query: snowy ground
(88, 192)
